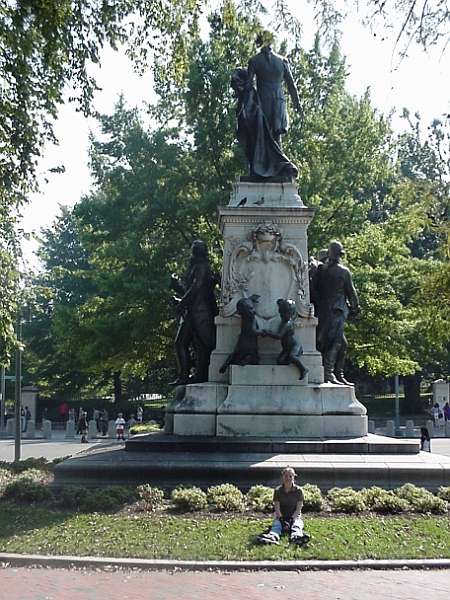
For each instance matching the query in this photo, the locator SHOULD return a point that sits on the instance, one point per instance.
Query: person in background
(140, 414)
(436, 412)
(288, 503)
(425, 445)
(63, 410)
(120, 426)
(104, 422)
(83, 427)
(27, 417)
(131, 423)
(447, 412)
(96, 417)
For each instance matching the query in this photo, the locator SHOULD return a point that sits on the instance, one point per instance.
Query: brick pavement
(122, 584)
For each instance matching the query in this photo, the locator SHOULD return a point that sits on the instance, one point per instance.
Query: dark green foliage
(20, 466)
(27, 489)
(97, 500)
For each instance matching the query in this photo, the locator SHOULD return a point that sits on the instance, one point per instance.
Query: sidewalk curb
(66, 562)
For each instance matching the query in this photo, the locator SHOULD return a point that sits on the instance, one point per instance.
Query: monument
(262, 398)
(265, 259)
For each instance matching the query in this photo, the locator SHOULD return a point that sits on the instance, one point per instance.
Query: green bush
(411, 492)
(35, 464)
(313, 499)
(260, 497)
(149, 497)
(444, 493)
(384, 501)
(27, 489)
(225, 497)
(104, 499)
(144, 428)
(189, 498)
(422, 500)
(388, 502)
(73, 496)
(98, 500)
(5, 478)
(431, 504)
(346, 500)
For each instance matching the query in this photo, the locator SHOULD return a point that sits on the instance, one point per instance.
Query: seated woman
(288, 503)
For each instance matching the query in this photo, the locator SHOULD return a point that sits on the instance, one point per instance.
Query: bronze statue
(197, 308)
(246, 351)
(271, 70)
(291, 347)
(335, 300)
(261, 113)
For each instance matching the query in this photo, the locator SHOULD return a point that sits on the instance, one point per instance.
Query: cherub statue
(246, 351)
(291, 348)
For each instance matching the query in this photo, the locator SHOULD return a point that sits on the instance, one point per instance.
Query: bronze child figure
(246, 351)
(291, 348)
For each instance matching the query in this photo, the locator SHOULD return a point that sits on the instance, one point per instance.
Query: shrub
(225, 497)
(35, 464)
(444, 493)
(431, 504)
(313, 499)
(189, 498)
(144, 428)
(411, 492)
(346, 500)
(99, 500)
(388, 502)
(260, 497)
(73, 496)
(422, 500)
(5, 478)
(27, 489)
(149, 497)
(103, 499)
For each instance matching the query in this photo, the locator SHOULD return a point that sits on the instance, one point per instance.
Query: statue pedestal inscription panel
(265, 258)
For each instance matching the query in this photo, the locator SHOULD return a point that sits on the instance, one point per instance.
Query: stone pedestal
(264, 229)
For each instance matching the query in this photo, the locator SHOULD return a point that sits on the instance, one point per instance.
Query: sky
(419, 82)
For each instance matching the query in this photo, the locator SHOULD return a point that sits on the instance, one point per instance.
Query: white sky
(419, 83)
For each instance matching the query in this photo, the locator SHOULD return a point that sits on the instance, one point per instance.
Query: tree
(412, 21)
(45, 46)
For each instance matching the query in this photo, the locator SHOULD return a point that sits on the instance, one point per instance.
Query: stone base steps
(371, 444)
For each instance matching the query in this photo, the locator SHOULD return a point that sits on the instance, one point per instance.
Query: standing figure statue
(271, 70)
(335, 300)
(197, 308)
(261, 113)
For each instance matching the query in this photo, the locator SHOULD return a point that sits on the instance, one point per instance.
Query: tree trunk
(117, 386)
(411, 384)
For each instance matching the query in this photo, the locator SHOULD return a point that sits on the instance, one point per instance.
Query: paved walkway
(120, 584)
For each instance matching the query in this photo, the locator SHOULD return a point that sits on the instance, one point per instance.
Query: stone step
(370, 444)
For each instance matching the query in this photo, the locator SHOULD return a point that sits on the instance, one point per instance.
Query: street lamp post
(398, 431)
(18, 392)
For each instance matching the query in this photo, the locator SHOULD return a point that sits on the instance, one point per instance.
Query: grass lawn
(225, 537)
